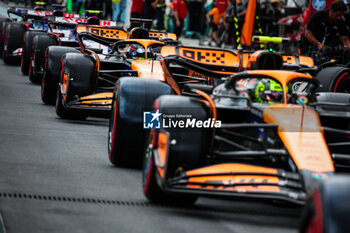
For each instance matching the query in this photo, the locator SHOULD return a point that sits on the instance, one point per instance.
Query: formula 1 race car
(132, 96)
(62, 33)
(91, 44)
(16, 34)
(99, 37)
(268, 146)
(257, 151)
(224, 62)
(87, 79)
(15, 14)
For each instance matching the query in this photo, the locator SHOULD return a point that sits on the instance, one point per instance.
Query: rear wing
(188, 65)
(291, 62)
(69, 22)
(108, 33)
(162, 35)
(74, 19)
(101, 35)
(28, 14)
(288, 59)
(204, 56)
(141, 22)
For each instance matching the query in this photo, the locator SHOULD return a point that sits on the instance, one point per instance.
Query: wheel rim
(343, 84)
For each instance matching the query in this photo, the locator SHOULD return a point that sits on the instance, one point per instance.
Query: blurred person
(136, 11)
(75, 6)
(326, 28)
(270, 13)
(118, 7)
(107, 9)
(222, 5)
(149, 11)
(208, 8)
(214, 16)
(160, 7)
(229, 22)
(180, 13)
(94, 5)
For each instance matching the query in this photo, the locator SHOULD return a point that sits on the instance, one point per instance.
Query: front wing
(239, 180)
(94, 103)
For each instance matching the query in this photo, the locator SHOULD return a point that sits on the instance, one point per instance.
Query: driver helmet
(137, 52)
(93, 20)
(268, 91)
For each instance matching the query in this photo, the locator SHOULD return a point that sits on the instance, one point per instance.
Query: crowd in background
(194, 18)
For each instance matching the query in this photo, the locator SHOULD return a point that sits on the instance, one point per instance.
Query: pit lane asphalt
(52, 158)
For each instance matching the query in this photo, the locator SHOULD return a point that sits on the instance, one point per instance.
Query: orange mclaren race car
(88, 78)
(217, 63)
(262, 141)
(270, 144)
(54, 55)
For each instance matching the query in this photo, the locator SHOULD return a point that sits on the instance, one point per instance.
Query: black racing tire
(51, 73)
(334, 79)
(126, 136)
(37, 60)
(327, 210)
(152, 190)
(27, 49)
(13, 40)
(3, 24)
(191, 143)
(80, 71)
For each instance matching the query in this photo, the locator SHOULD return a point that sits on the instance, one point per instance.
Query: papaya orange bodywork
(301, 132)
(163, 35)
(289, 60)
(306, 61)
(162, 148)
(144, 68)
(235, 179)
(64, 85)
(87, 99)
(110, 33)
(202, 55)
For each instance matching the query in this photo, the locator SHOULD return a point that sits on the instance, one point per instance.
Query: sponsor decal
(318, 4)
(319, 176)
(302, 100)
(107, 33)
(243, 94)
(39, 13)
(70, 20)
